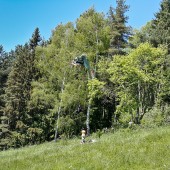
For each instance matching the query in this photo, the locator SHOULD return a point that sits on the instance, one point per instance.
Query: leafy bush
(167, 114)
(154, 117)
(66, 126)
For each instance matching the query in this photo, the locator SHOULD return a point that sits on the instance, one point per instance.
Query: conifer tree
(18, 91)
(36, 39)
(160, 36)
(160, 26)
(5, 63)
(119, 31)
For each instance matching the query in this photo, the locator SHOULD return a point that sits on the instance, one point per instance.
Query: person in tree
(83, 135)
(79, 60)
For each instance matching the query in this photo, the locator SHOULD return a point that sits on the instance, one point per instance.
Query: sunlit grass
(145, 149)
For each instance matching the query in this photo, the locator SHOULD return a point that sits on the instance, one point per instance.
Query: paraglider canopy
(82, 60)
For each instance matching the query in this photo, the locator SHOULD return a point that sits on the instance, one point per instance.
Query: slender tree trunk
(97, 42)
(90, 100)
(139, 104)
(59, 110)
(88, 118)
(56, 131)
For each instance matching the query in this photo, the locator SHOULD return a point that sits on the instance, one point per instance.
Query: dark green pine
(119, 31)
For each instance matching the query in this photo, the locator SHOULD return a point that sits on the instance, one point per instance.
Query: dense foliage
(43, 95)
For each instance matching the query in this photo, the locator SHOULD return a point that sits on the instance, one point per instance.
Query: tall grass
(144, 149)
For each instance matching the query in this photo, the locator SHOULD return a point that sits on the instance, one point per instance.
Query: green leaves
(137, 76)
(96, 88)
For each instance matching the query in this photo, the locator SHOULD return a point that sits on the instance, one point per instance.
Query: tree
(139, 79)
(5, 66)
(35, 40)
(142, 35)
(95, 46)
(119, 31)
(16, 92)
(160, 36)
(160, 26)
(59, 80)
(20, 116)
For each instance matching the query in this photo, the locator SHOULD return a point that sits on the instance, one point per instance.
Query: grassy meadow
(142, 149)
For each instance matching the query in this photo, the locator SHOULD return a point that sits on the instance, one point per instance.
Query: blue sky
(19, 18)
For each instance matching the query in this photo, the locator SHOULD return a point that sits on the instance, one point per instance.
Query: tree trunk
(59, 110)
(137, 121)
(88, 118)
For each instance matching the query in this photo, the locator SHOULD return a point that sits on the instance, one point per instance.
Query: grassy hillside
(138, 149)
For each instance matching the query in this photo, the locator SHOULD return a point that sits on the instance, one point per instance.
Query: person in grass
(83, 135)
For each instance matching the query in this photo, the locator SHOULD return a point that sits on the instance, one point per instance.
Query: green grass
(144, 149)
